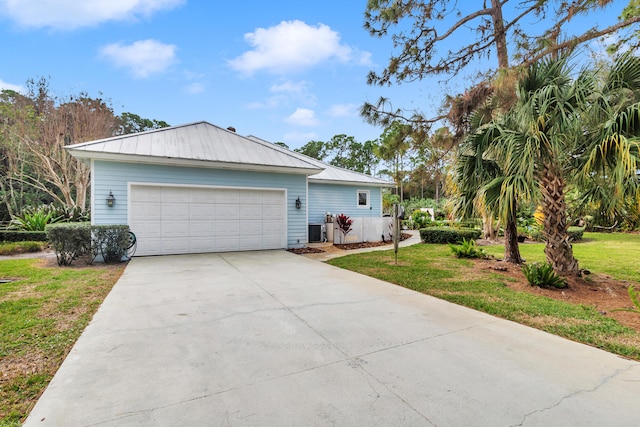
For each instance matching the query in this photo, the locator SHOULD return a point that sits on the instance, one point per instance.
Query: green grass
(614, 254)
(21, 247)
(42, 313)
(433, 270)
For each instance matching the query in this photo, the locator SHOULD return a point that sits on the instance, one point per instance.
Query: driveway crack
(563, 399)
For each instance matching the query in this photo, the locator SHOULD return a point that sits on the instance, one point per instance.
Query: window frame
(368, 195)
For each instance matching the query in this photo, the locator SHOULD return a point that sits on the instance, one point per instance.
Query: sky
(285, 71)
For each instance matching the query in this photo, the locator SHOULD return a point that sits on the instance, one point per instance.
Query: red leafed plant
(344, 224)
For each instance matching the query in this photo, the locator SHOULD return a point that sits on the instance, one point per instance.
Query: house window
(363, 199)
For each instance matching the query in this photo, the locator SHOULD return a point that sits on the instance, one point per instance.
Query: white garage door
(181, 220)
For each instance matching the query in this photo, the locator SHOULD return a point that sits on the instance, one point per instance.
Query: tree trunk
(487, 226)
(558, 247)
(499, 33)
(511, 248)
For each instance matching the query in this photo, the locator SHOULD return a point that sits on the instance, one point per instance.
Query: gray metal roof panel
(196, 141)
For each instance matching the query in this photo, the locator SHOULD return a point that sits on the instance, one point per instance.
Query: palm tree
(477, 166)
(565, 130)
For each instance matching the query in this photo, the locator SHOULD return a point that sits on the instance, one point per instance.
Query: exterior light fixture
(111, 200)
(298, 203)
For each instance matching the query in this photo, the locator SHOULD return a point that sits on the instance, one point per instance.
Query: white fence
(362, 230)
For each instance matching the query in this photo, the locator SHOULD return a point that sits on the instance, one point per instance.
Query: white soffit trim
(168, 161)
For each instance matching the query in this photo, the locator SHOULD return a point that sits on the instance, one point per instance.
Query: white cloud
(271, 102)
(299, 137)
(8, 86)
(292, 46)
(302, 117)
(301, 87)
(141, 58)
(195, 88)
(343, 110)
(72, 14)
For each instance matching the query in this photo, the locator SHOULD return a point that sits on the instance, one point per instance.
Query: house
(201, 188)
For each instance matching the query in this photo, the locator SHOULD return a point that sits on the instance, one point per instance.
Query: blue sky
(290, 71)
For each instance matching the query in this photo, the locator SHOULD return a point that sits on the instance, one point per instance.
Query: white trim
(306, 220)
(213, 187)
(209, 164)
(93, 191)
(360, 183)
(368, 205)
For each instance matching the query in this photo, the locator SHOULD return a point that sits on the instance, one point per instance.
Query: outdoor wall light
(298, 203)
(111, 200)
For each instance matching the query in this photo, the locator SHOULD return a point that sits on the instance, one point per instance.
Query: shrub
(110, 241)
(448, 234)
(575, 233)
(418, 220)
(542, 275)
(467, 249)
(344, 225)
(34, 219)
(69, 240)
(22, 236)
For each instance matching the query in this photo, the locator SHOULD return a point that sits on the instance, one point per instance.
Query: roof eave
(360, 183)
(172, 161)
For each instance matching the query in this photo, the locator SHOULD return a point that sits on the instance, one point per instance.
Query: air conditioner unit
(315, 233)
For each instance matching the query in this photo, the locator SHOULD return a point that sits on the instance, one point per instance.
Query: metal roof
(332, 174)
(197, 144)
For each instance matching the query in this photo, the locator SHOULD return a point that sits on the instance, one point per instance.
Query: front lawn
(615, 254)
(43, 310)
(432, 269)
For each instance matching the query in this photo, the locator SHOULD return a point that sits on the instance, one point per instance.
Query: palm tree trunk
(511, 248)
(558, 247)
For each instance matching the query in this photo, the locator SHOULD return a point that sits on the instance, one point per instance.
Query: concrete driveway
(276, 339)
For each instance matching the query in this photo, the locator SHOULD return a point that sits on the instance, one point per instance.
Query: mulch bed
(347, 246)
(305, 250)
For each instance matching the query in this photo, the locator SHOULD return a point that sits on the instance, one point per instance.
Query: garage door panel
(177, 220)
(175, 246)
(250, 212)
(273, 197)
(231, 197)
(175, 229)
(202, 244)
(175, 195)
(251, 228)
(227, 211)
(199, 211)
(270, 242)
(227, 244)
(172, 210)
(202, 227)
(202, 195)
(271, 211)
(149, 245)
(229, 227)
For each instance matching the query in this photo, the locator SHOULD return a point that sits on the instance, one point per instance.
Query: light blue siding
(115, 177)
(341, 199)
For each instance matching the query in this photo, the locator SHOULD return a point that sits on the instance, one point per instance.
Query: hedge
(22, 236)
(448, 234)
(69, 240)
(575, 233)
(110, 241)
(73, 240)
